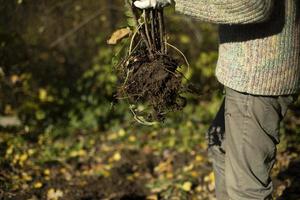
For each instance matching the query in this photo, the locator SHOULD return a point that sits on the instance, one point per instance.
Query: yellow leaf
(130, 177)
(43, 94)
(37, 185)
(23, 157)
(31, 152)
(122, 133)
(136, 174)
(117, 156)
(163, 167)
(187, 186)
(185, 39)
(26, 177)
(210, 177)
(14, 78)
(105, 173)
(152, 197)
(112, 136)
(169, 175)
(188, 168)
(194, 174)
(81, 152)
(9, 150)
(119, 35)
(78, 153)
(106, 148)
(53, 194)
(199, 158)
(47, 172)
(15, 159)
(132, 138)
(199, 188)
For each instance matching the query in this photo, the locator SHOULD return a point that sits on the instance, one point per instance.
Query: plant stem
(152, 29)
(156, 29)
(146, 17)
(161, 30)
(142, 31)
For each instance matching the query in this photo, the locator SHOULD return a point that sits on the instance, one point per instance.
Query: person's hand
(144, 4)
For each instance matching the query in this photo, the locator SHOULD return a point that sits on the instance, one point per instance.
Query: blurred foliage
(56, 65)
(57, 70)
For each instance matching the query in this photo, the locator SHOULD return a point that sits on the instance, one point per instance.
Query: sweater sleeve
(227, 11)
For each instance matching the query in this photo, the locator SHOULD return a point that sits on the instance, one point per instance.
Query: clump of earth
(149, 75)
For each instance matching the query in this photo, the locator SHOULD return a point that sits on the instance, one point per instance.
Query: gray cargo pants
(244, 156)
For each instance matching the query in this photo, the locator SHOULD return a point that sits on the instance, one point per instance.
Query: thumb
(142, 4)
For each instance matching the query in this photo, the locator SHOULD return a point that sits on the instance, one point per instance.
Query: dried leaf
(119, 35)
(152, 197)
(53, 194)
(163, 167)
(117, 156)
(37, 185)
(210, 177)
(187, 186)
(199, 158)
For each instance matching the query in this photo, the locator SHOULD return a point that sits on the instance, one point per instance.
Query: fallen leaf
(9, 150)
(169, 175)
(188, 168)
(210, 177)
(152, 197)
(119, 35)
(23, 157)
(37, 185)
(194, 174)
(187, 186)
(14, 78)
(117, 156)
(112, 136)
(163, 167)
(46, 172)
(54, 194)
(199, 158)
(26, 176)
(43, 94)
(122, 133)
(132, 138)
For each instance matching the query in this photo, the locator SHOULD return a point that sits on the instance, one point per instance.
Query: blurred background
(63, 136)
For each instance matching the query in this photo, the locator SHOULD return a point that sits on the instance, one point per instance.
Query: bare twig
(142, 31)
(74, 30)
(182, 54)
(79, 26)
(132, 39)
(146, 17)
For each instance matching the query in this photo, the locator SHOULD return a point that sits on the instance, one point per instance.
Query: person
(259, 66)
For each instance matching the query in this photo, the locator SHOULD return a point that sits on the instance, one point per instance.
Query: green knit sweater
(259, 50)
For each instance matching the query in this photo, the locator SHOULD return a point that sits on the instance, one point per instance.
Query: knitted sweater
(259, 51)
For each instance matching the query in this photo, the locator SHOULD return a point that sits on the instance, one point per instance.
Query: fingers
(144, 4)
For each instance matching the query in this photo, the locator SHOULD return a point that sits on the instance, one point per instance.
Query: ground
(120, 165)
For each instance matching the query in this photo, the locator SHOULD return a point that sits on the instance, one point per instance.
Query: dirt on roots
(155, 81)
